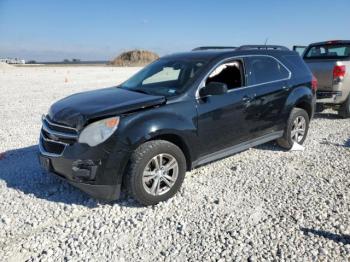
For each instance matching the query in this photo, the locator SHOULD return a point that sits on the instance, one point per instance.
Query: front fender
(178, 119)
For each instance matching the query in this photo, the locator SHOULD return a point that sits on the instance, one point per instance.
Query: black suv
(180, 112)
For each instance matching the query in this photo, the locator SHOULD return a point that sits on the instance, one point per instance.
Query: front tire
(344, 110)
(156, 172)
(296, 129)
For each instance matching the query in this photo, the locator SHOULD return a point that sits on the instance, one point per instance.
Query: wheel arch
(302, 104)
(163, 124)
(174, 138)
(301, 97)
(169, 137)
(178, 141)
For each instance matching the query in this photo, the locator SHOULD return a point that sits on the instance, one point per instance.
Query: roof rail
(213, 48)
(264, 47)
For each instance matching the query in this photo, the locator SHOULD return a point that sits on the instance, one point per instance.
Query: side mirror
(213, 89)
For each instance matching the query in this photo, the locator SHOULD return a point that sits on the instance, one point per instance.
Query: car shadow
(346, 143)
(344, 239)
(270, 146)
(329, 116)
(20, 170)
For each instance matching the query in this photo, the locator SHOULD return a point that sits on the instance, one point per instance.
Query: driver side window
(230, 73)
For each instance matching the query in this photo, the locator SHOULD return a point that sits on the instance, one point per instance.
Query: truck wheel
(296, 129)
(344, 110)
(156, 172)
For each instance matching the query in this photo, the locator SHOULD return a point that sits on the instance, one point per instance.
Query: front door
(221, 118)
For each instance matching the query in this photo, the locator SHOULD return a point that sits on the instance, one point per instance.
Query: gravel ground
(261, 204)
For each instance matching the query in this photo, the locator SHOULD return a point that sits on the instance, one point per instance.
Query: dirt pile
(134, 58)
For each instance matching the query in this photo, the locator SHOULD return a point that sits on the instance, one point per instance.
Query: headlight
(99, 131)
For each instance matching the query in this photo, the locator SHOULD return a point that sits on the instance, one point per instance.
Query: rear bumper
(329, 97)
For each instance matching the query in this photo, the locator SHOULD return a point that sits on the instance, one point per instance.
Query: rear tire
(156, 172)
(344, 110)
(296, 129)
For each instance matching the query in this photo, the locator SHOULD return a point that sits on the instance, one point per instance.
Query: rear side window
(328, 51)
(263, 69)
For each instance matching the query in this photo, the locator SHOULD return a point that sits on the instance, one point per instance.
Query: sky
(53, 30)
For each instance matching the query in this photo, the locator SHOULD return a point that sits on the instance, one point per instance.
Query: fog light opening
(84, 169)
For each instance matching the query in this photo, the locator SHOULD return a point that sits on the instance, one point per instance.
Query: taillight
(339, 71)
(314, 83)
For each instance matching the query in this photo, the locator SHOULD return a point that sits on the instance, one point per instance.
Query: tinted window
(263, 69)
(328, 51)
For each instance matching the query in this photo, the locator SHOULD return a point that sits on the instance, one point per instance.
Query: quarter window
(265, 69)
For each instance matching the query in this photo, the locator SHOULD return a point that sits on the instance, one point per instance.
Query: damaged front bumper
(81, 178)
(95, 170)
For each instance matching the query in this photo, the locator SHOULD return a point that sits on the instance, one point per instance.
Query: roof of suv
(211, 54)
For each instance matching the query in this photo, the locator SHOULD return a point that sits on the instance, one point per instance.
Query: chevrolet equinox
(180, 112)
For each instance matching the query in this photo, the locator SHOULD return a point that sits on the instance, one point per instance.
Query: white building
(12, 61)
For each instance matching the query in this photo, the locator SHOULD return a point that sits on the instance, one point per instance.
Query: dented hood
(76, 110)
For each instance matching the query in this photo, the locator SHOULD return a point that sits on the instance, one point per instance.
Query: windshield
(164, 77)
(328, 51)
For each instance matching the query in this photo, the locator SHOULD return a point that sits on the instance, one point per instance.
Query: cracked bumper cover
(96, 171)
(102, 192)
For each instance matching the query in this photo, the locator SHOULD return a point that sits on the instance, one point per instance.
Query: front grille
(55, 138)
(52, 147)
(59, 127)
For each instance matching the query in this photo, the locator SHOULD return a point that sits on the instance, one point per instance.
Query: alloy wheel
(160, 174)
(298, 129)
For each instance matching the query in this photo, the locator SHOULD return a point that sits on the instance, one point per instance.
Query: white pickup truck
(330, 63)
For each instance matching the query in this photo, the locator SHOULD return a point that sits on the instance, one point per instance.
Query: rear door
(268, 80)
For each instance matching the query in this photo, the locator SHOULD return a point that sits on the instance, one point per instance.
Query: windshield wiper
(138, 91)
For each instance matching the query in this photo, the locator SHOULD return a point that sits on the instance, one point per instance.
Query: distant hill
(134, 58)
